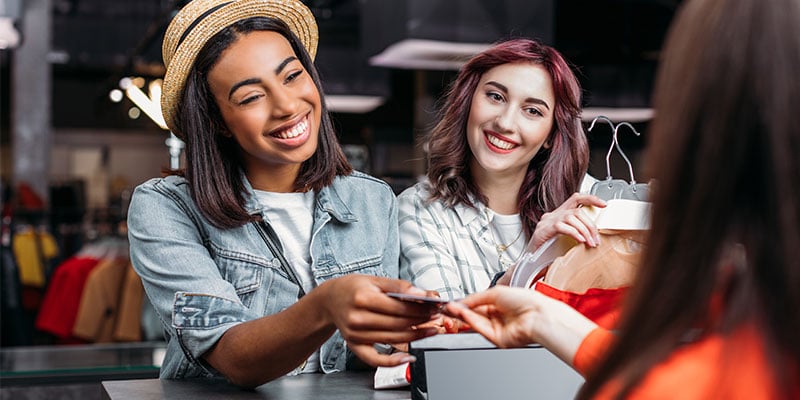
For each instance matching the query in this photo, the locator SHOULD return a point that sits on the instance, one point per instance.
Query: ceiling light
(150, 105)
(627, 114)
(115, 95)
(427, 54)
(134, 113)
(352, 103)
(9, 37)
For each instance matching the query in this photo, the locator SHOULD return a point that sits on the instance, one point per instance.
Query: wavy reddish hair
(553, 174)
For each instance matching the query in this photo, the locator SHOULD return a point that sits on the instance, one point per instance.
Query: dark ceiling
(614, 45)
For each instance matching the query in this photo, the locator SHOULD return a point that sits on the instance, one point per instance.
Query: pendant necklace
(500, 247)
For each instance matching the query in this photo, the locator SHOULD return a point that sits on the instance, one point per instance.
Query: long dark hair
(725, 151)
(214, 162)
(553, 174)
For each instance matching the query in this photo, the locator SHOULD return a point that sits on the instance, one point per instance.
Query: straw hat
(199, 20)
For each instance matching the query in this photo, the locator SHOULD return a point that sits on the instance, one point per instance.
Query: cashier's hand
(508, 317)
(365, 315)
(515, 317)
(568, 219)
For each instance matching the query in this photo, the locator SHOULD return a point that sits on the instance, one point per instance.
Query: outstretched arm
(216, 331)
(515, 317)
(257, 351)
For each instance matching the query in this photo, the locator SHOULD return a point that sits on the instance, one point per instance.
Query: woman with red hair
(506, 161)
(712, 313)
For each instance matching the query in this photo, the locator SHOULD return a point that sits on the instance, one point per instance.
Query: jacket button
(276, 263)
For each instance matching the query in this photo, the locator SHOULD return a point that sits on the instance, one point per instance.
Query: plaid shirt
(449, 250)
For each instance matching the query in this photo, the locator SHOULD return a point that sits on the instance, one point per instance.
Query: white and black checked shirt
(449, 250)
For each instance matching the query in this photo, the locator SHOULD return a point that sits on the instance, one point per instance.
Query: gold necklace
(501, 248)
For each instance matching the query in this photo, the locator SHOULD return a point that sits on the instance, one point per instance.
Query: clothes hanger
(631, 213)
(638, 191)
(611, 188)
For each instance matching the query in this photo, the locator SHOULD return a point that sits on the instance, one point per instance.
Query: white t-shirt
(291, 216)
(507, 230)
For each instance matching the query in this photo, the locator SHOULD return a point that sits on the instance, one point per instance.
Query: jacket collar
(327, 200)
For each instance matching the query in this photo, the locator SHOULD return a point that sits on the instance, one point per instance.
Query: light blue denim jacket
(203, 280)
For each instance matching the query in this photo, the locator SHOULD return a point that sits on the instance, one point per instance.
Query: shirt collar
(470, 215)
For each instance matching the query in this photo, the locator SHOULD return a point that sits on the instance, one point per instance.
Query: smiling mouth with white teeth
(294, 131)
(500, 143)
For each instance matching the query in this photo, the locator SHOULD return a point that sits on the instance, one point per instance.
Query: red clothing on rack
(61, 300)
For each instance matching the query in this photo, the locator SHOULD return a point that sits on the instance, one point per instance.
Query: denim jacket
(203, 280)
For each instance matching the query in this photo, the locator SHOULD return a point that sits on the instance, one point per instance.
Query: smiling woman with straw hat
(268, 252)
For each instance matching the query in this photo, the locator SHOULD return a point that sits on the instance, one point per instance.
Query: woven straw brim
(179, 57)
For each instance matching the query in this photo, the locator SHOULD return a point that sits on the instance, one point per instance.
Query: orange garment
(591, 350)
(733, 366)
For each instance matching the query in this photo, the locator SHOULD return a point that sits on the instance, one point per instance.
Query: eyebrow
(528, 100)
(250, 81)
(245, 82)
(283, 64)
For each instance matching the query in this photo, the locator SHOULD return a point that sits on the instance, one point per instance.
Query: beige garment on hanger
(572, 265)
(111, 303)
(128, 326)
(623, 226)
(612, 264)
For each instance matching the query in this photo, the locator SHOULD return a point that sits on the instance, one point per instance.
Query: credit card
(418, 299)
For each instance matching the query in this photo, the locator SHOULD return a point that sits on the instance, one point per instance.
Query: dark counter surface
(341, 385)
(36, 365)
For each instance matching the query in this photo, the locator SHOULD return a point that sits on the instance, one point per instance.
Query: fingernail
(431, 331)
(597, 239)
(408, 359)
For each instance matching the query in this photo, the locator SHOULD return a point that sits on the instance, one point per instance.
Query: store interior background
(82, 153)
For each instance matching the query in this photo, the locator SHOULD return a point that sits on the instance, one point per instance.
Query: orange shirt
(725, 367)
(591, 350)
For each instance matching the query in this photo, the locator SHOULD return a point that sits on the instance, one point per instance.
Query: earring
(548, 143)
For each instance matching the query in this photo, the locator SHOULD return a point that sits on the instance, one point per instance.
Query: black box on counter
(466, 366)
